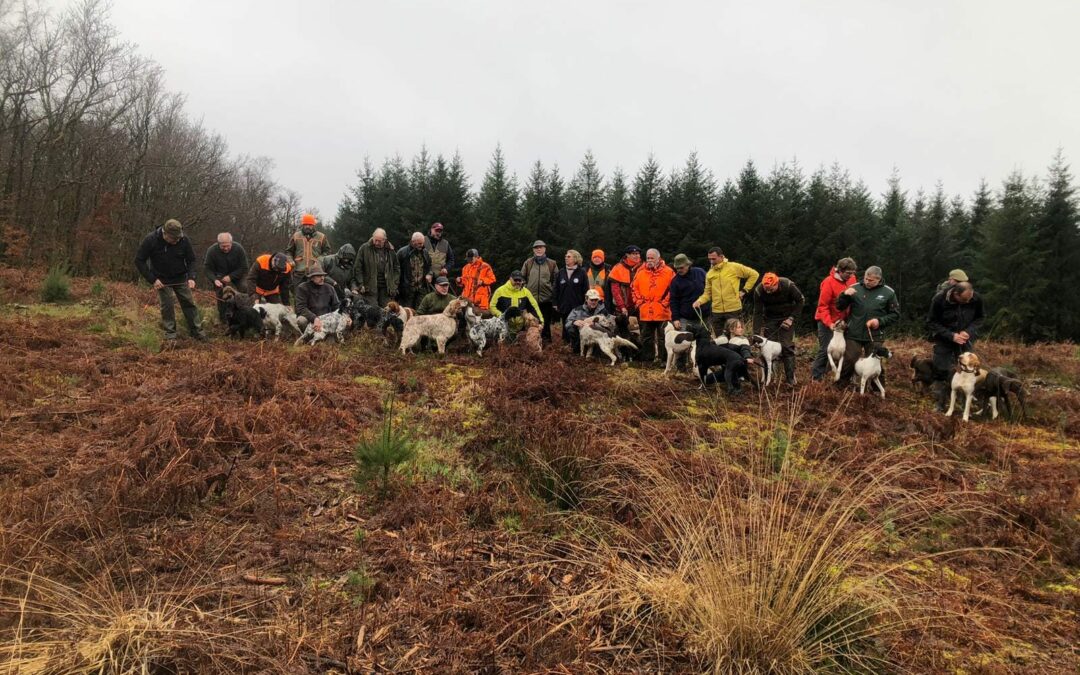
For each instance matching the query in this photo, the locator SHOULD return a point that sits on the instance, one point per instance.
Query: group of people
(646, 288)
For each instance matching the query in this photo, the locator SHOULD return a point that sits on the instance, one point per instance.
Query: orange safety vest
(597, 279)
(476, 280)
(264, 266)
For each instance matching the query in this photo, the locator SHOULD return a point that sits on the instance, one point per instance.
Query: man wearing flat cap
(540, 273)
(165, 259)
(955, 277)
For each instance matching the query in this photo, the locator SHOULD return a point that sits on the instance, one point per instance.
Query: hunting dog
(361, 313)
(969, 373)
(770, 354)
(438, 327)
(494, 329)
(532, 333)
(240, 314)
(869, 369)
(837, 347)
(922, 372)
(403, 313)
(998, 384)
(275, 315)
(677, 342)
(602, 332)
(732, 356)
(333, 323)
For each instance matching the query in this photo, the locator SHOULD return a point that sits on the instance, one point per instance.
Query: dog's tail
(622, 342)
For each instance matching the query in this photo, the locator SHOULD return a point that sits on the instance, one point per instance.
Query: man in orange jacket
(651, 291)
(476, 280)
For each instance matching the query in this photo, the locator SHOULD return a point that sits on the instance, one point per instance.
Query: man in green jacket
(539, 272)
(437, 300)
(725, 285)
(377, 272)
(873, 307)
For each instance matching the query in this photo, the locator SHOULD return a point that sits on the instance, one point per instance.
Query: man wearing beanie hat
(166, 260)
(778, 302)
(305, 248)
(687, 286)
(597, 272)
(955, 277)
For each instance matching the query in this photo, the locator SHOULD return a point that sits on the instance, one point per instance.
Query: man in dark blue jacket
(166, 260)
(686, 287)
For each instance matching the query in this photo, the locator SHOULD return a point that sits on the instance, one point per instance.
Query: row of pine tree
(1020, 243)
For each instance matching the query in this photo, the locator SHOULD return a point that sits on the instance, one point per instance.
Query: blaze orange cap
(307, 219)
(770, 279)
(598, 253)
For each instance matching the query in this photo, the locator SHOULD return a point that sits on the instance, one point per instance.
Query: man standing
(440, 252)
(651, 291)
(598, 272)
(540, 273)
(953, 322)
(725, 285)
(873, 307)
(314, 298)
(270, 277)
(305, 247)
(415, 265)
(687, 286)
(437, 300)
(593, 306)
(476, 280)
(377, 271)
(166, 260)
(619, 280)
(841, 277)
(778, 302)
(225, 263)
(340, 268)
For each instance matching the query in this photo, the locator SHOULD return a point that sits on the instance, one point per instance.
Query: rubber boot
(789, 370)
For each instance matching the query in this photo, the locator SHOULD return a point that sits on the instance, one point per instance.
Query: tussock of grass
(759, 570)
(92, 628)
(57, 285)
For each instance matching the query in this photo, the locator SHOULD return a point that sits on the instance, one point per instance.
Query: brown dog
(531, 333)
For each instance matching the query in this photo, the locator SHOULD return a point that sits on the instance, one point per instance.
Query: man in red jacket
(840, 278)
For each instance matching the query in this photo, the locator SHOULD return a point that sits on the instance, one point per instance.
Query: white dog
(869, 370)
(274, 315)
(837, 348)
(968, 375)
(439, 327)
(678, 342)
(602, 334)
(770, 353)
(332, 323)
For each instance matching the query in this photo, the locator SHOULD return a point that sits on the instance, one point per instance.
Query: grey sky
(950, 91)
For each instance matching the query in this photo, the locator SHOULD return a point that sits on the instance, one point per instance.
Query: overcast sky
(950, 91)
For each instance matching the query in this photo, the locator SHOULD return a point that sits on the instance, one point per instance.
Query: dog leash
(697, 310)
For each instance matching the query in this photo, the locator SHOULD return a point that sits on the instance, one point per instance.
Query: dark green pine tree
(449, 202)
(1011, 265)
(749, 214)
(554, 229)
(497, 217)
(690, 212)
(981, 208)
(586, 206)
(348, 224)
(933, 243)
(1058, 239)
(420, 212)
(646, 218)
(964, 240)
(785, 221)
(534, 206)
(898, 251)
(619, 211)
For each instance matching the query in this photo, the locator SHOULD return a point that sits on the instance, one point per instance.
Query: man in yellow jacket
(725, 285)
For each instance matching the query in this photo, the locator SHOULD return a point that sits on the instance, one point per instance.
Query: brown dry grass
(172, 475)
